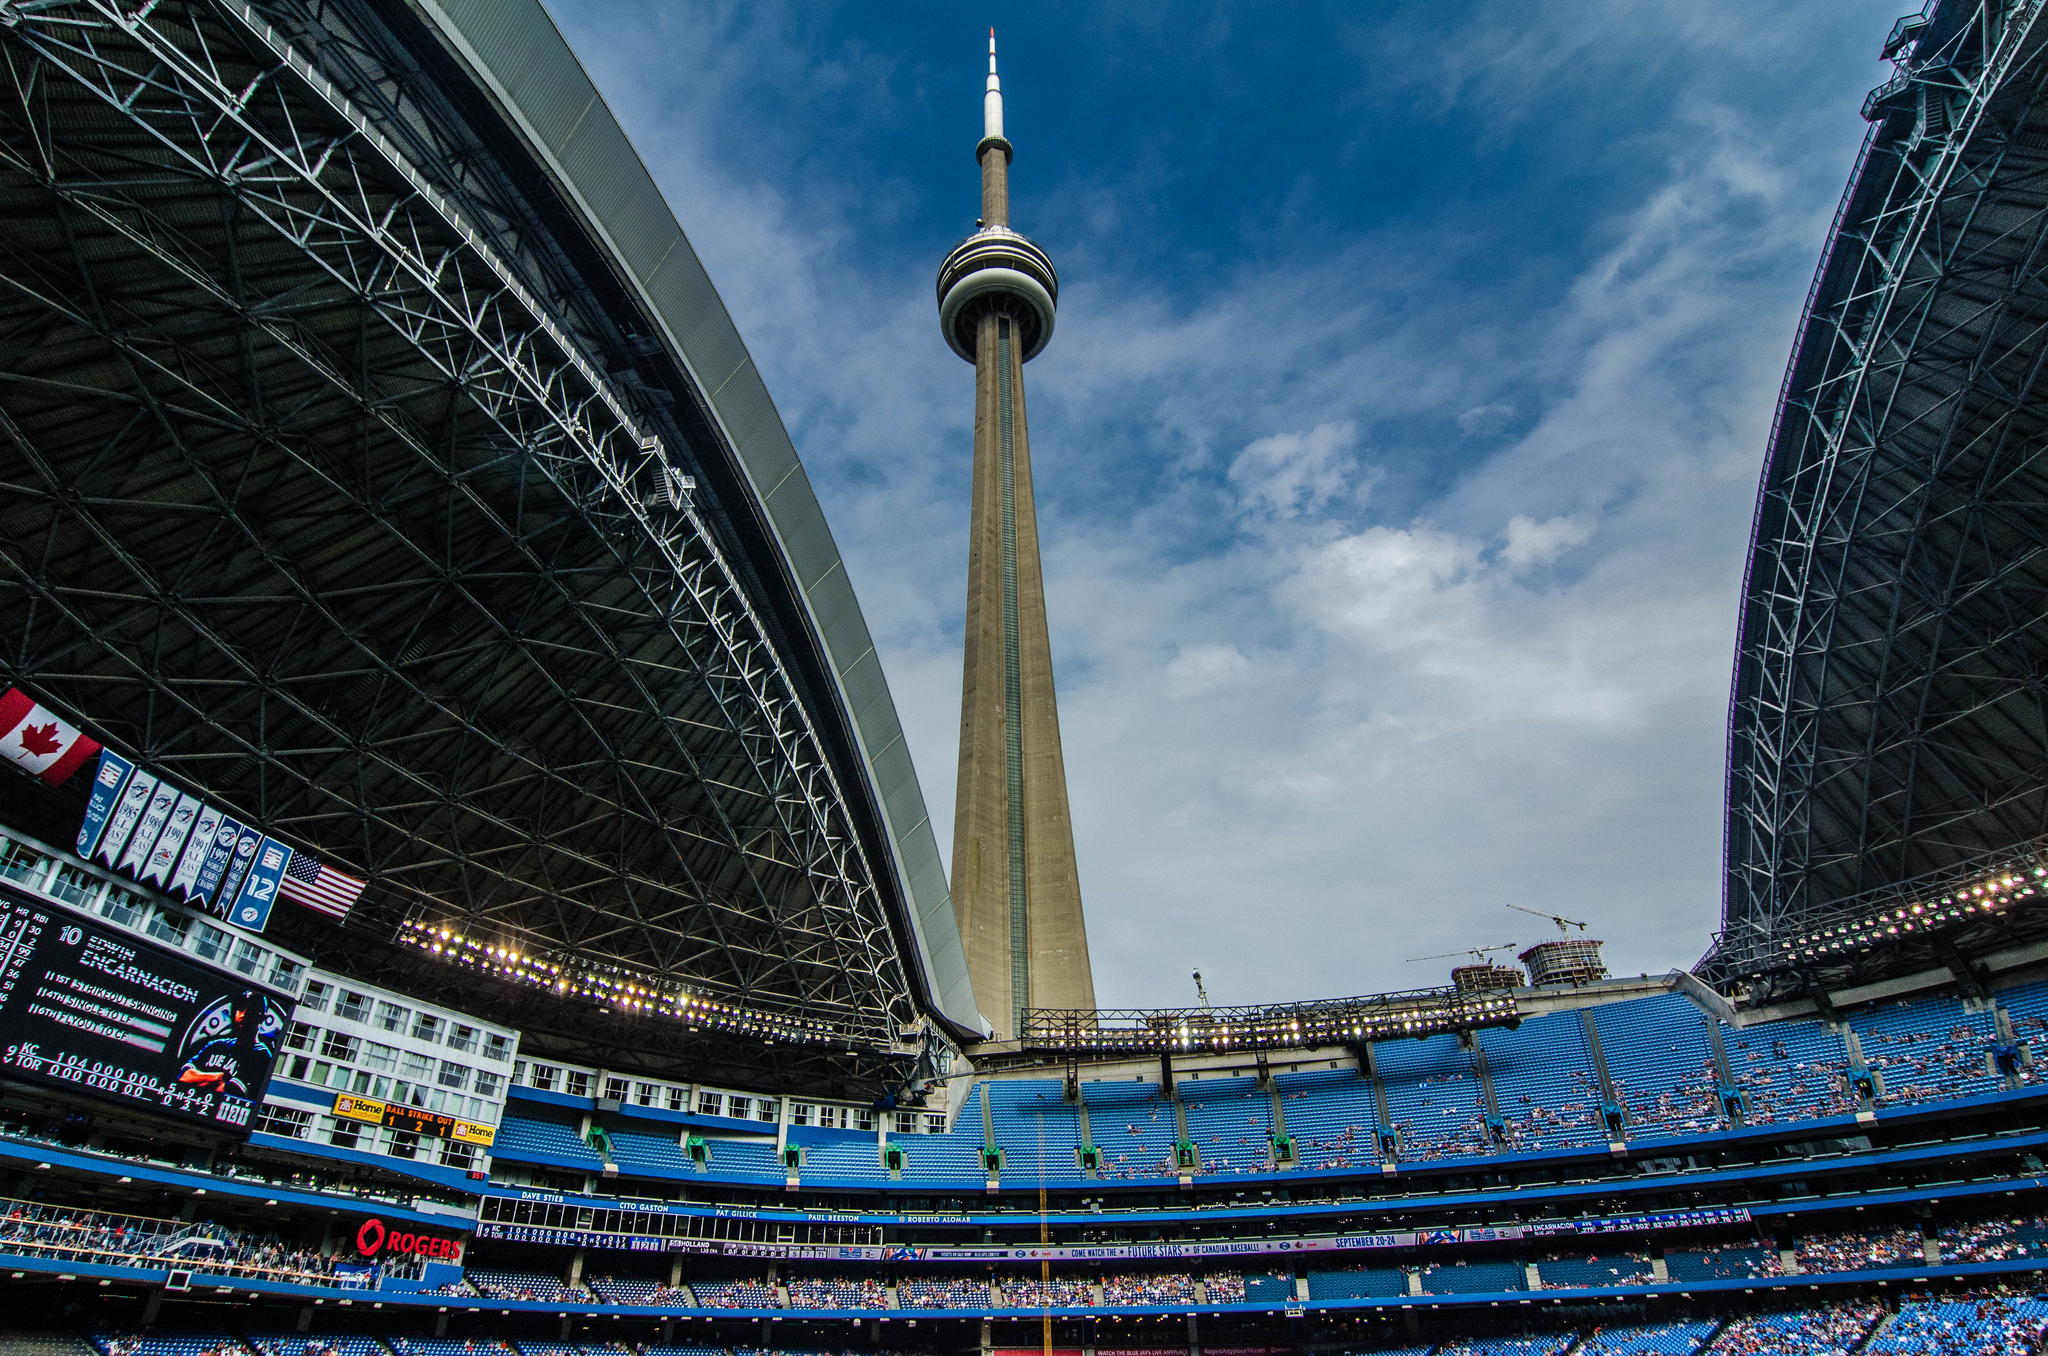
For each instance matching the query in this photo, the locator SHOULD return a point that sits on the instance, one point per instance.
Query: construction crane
(1477, 953)
(1564, 925)
(1201, 989)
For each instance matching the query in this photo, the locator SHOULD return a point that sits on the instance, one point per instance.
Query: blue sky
(1396, 449)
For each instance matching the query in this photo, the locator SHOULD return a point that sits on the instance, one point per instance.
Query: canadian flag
(36, 741)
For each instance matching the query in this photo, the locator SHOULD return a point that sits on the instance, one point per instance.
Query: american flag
(311, 882)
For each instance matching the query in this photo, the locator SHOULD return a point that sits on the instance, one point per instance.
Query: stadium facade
(462, 889)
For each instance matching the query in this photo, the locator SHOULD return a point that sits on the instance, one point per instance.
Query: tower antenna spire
(992, 101)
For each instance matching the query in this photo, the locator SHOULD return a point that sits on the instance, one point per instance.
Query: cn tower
(1016, 891)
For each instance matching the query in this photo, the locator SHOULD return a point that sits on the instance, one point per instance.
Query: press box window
(576, 1082)
(391, 1017)
(426, 1027)
(352, 1006)
(334, 1045)
(497, 1047)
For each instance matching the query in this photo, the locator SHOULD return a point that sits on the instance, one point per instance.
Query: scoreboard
(89, 1007)
(411, 1119)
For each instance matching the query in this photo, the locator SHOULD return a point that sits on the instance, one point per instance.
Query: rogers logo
(373, 1237)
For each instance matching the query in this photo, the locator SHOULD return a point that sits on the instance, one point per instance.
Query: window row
(386, 1088)
(350, 1006)
(384, 1059)
(342, 1133)
(712, 1102)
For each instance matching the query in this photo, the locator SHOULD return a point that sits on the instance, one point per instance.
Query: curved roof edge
(516, 53)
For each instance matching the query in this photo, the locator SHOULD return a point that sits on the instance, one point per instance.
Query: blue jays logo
(229, 1041)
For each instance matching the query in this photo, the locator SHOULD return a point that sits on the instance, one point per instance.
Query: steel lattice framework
(1889, 726)
(329, 490)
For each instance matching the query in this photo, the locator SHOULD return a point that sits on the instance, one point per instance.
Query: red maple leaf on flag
(41, 740)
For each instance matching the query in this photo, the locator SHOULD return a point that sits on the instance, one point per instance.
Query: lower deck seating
(1535, 1344)
(1648, 1339)
(1855, 1250)
(735, 1294)
(1996, 1326)
(1830, 1330)
(945, 1293)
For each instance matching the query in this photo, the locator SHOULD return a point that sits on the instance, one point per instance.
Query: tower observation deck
(1016, 890)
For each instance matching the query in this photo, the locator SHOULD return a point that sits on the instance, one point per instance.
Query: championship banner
(192, 850)
(107, 784)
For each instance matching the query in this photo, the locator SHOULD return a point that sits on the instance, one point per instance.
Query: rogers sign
(374, 1239)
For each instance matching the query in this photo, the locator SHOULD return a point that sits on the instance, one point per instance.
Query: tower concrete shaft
(1016, 889)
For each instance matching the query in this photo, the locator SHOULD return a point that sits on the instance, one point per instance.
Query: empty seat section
(1231, 1122)
(1268, 1286)
(531, 1139)
(1581, 1273)
(1355, 1283)
(1927, 1049)
(1545, 1084)
(1133, 1125)
(1037, 1128)
(649, 1155)
(1789, 1071)
(1330, 1117)
(1433, 1096)
(1662, 1067)
(753, 1159)
(854, 1159)
(1722, 1264)
(1472, 1278)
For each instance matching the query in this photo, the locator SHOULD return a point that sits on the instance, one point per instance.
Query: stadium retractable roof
(1889, 740)
(377, 461)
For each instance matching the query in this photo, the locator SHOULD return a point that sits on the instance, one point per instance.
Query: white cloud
(1294, 475)
(1531, 544)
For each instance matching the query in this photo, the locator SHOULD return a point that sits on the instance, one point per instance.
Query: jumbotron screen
(88, 1007)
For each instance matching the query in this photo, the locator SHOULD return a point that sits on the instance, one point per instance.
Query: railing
(1279, 1026)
